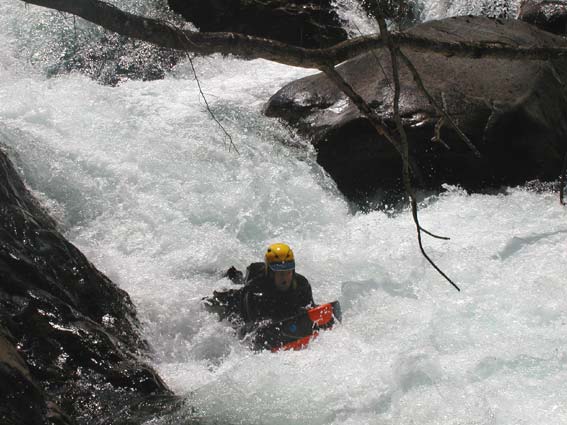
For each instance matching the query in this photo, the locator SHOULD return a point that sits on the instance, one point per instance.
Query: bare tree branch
(380, 126)
(401, 147)
(361, 104)
(166, 35)
(213, 116)
(440, 110)
(406, 174)
(437, 133)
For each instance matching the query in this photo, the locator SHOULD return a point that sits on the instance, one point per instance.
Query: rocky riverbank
(70, 345)
(514, 111)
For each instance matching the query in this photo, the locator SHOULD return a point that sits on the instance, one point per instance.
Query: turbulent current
(148, 186)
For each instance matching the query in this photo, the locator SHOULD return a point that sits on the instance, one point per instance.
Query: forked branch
(406, 174)
(165, 35)
(440, 110)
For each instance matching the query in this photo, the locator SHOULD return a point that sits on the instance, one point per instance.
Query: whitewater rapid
(145, 183)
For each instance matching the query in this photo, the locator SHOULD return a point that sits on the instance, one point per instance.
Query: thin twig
(440, 123)
(209, 108)
(376, 122)
(437, 133)
(441, 272)
(433, 235)
(380, 126)
(440, 110)
(183, 35)
(375, 57)
(394, 52)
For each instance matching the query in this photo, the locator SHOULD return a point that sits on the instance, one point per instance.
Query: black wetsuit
(259, 299)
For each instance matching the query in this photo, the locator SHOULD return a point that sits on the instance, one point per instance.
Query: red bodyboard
(321, 317)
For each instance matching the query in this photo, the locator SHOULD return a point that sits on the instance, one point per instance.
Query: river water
(145, 183)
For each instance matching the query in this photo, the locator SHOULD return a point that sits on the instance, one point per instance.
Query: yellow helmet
(279, 257)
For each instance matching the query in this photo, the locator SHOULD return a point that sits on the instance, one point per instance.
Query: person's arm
(224, 303)
(246, 305)
(234, 275)
(309, 296)
(305, 295)
(251, 306)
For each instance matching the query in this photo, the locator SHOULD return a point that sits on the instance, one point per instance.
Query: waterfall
(145, 183)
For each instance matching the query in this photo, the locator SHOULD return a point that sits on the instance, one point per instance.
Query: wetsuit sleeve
(246, 307)
(305, 294)
(251, 300)
(225, 303)
(309, 296)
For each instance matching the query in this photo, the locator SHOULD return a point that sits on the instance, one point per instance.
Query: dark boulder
(69, 338)
(515, 112)
(306, 23)
(23, 402)
(549, 15)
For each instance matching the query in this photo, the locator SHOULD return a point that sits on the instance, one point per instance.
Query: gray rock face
(69, 338)
(515, 112)
(304, 23)
(549, 15)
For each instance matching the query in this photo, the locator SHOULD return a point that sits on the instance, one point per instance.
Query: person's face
(282, 279)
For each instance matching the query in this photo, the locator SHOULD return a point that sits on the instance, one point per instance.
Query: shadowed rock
(304, 23)
(23, 402)
(515, 112)
(69, 338)
(549, 15)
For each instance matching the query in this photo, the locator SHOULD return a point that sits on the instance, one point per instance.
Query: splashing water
(437, 9)
(143, 182)
(357, 22)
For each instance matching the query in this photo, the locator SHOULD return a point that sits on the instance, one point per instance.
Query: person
(271, 290)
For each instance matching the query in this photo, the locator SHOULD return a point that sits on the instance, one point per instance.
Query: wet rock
(23, 402)
(549, 15)
(515, 112)
(60, 44)
(71, 346)
(112, 59)
(304, 23)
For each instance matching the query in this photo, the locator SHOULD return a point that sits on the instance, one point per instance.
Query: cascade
(145, 183)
